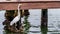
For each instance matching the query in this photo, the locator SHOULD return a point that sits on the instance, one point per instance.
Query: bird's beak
(20, 4)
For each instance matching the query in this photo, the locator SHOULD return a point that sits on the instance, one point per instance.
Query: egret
(17, 18)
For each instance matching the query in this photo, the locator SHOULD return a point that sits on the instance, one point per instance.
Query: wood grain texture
(29, 5)
(25, 0)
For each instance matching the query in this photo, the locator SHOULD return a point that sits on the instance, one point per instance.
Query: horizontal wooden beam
(27, 0)
(29, 5)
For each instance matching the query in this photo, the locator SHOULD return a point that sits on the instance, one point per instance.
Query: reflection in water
(44, 30)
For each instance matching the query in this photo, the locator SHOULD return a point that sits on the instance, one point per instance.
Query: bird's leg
(18, 24)
(14, 27)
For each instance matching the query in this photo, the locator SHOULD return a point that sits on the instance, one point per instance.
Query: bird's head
(19, 5)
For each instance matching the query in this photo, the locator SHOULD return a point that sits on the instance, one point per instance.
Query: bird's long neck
(18, 11)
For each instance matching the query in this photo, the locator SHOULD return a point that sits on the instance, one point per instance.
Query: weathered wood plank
(29, 5)
(25, 0)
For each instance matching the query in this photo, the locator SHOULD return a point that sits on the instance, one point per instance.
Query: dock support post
(44, 21)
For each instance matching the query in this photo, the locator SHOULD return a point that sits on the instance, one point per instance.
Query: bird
(17, 18)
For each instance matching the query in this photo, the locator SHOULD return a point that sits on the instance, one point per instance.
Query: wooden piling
(44, 21)
(44, 17)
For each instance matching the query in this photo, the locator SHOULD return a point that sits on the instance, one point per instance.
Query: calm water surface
(35, 20)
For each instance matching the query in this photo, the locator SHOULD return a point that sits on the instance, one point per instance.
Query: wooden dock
(32, 4)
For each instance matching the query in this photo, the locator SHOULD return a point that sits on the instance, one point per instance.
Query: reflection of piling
(44, 21)
(44, 30)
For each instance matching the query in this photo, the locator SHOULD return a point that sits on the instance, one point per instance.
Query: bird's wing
(16, 19)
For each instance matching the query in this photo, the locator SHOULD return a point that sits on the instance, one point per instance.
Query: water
(35, 21)
(2, 18)
(54, 21)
